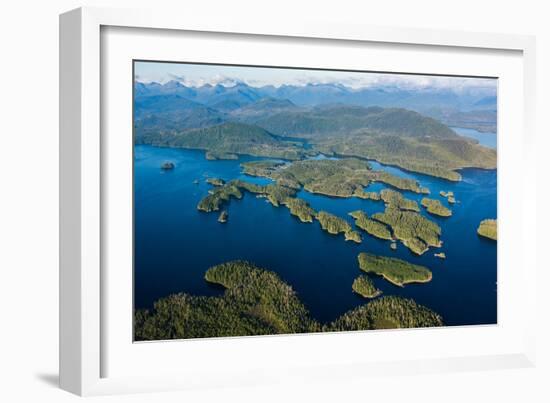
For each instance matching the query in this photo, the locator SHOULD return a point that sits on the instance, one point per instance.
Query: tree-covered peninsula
(263, 168)
(362, 194)
(396, 271)
(389, 312)
(335, 225)
(372, 227)
(435, 207)
(215, 181)
(415, 231)
(218, 196)
(275, 193)
(396, 199)
(392, 136)
(258, 302)
(300, 208)
(225, 140)
(441, 153)
(364, 286)
(488, 229)
(338, 178)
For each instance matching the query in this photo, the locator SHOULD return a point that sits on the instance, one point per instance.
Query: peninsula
(330, 177)
(415, 231)
(335, 225)
(372, 227)
(215, 181)
(396, 199)
(300, 208)
(218, 196)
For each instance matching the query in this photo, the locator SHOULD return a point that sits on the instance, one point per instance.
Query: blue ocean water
(175, 243)
(485, 139)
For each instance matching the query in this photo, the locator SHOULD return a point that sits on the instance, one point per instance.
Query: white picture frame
(83, 292)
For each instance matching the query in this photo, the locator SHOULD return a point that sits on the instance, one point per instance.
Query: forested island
(223, 217)
(396, 271)
(400, 220)
(364, 286)
(167, 165)
(258, 302)
(278, 196)
(435, 207)
(415, 231)
(488, 229)
(450, 196)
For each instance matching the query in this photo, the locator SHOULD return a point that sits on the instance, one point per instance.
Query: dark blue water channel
(175, 243)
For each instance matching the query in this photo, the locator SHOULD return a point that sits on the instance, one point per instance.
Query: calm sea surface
(485, 139)
(175, 243)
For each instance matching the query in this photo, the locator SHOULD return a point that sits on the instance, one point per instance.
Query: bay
(485, 139)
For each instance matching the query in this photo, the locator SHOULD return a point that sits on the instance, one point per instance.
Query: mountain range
(293, 122)
(229, 98)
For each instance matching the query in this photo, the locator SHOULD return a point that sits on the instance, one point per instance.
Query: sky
(196, 75)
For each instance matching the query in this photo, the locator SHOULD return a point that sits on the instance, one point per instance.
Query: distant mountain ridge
(243, 120)
(317, 94)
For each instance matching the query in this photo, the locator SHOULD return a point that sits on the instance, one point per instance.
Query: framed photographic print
(250, 196)
(272, 200)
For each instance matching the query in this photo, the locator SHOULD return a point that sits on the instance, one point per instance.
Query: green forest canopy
(256, 302)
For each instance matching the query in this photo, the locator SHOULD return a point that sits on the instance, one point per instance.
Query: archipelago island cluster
(280, 201)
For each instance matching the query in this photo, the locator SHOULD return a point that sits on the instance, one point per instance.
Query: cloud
(401, 81)
(228, 76)
(221, 79)
(177, 77)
